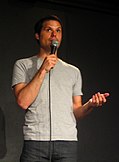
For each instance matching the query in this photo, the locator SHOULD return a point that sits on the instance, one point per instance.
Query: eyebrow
(51, 26)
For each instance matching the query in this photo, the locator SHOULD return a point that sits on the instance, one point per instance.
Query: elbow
(22, 104)
(78, 116)
(78, 113)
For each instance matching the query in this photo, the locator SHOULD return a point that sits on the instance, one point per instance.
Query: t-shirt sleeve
(77, 88)
(19, 75)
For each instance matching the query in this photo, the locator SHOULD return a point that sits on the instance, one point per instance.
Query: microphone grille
(55, 43)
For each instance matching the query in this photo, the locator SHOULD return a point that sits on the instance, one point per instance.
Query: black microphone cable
(54, 46)
(50, 146)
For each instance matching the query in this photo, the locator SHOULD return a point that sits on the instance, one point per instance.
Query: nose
(53, 33)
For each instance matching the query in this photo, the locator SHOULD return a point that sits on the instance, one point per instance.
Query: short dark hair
(39, 24)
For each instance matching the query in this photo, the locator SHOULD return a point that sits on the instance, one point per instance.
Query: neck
(43, 53)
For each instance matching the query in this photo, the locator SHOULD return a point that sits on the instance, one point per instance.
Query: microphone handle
(53, 49)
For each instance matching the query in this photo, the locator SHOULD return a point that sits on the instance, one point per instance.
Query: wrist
(90, 104)
(42, 72)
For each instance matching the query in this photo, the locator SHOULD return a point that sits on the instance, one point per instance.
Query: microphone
(54, 45)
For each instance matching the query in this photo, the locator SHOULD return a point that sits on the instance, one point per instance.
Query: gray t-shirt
(65, 82)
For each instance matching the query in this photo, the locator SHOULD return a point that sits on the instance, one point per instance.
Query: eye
(48, 29)
(58, 30)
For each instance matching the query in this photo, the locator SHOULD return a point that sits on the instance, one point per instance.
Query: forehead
(52, 23)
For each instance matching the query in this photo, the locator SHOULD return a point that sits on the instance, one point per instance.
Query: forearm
(29, 92)
(83, 110)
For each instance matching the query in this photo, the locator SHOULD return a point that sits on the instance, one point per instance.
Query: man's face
(51, 30)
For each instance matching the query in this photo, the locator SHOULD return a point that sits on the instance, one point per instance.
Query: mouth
(53, 39)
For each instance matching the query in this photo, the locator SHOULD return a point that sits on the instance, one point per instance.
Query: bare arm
(27, 93)
(81, 110)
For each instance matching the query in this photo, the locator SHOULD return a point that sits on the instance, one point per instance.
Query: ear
(37, 36)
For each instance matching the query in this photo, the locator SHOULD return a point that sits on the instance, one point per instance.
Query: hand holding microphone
(50, 60)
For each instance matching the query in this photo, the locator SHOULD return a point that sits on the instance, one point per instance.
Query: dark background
(91, 42)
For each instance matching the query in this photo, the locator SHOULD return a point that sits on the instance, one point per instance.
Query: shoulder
(26, 62)
(69, 66)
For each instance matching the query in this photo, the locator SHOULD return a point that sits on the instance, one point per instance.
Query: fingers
(106, 94)
(49, 62)
(98, 99)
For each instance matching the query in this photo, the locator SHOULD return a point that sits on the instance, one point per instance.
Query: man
(50, 92)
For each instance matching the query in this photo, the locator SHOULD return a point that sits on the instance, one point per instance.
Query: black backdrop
(91, 43)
